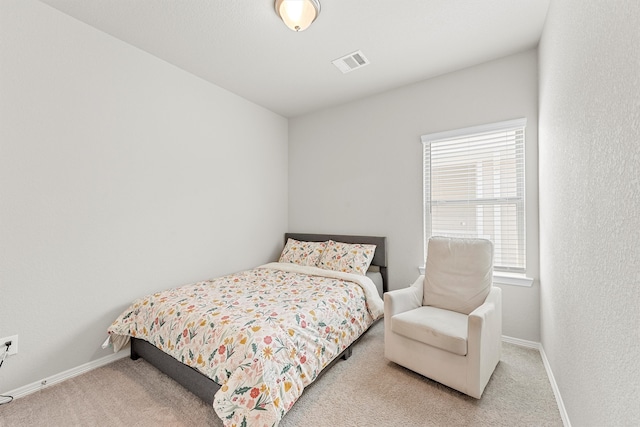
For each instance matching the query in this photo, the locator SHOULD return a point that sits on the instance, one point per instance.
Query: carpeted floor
(365, 390)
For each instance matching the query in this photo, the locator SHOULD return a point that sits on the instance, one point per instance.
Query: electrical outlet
(14, 344)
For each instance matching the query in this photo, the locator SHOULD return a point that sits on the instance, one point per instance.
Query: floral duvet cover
(262, 334)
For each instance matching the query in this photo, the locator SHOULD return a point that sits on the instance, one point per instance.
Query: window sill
(505, 279)
(512, 279)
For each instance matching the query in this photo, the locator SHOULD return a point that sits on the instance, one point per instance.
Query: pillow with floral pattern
(347, 257)
(302, 253)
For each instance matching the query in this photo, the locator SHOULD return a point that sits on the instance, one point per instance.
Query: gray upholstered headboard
(379, 257)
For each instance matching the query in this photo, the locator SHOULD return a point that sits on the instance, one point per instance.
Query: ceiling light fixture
(298, 14)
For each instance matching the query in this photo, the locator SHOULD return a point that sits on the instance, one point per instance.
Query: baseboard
(521, 343)
(556, 390)
(547, 367)
(62, 376)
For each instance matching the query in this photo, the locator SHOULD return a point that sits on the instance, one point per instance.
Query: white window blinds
(474, 187)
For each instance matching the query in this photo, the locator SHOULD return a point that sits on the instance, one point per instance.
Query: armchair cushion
(443, 329)
(458, 273)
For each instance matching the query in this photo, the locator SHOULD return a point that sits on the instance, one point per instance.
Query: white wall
(119, 175)
(590, 208)
(357, 168)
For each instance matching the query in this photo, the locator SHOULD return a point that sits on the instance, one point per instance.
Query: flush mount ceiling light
(298, 14)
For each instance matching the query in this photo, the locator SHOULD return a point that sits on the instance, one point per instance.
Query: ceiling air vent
(351, 62)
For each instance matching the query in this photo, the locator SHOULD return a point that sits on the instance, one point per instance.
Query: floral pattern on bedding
(347, 257)
(263, 334)
(302, 253)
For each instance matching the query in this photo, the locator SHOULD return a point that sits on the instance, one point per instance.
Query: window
(474, 187)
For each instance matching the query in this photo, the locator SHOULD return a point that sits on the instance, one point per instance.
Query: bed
(249, 343)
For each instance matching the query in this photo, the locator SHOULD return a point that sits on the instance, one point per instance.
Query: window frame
(512, 276)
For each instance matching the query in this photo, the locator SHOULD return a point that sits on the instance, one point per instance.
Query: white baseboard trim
(547, 367)
(54, 379)
(521, 343)
(556, 390)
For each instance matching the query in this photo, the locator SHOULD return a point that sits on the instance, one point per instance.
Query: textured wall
(119, 175)
(357, 168)
(590, 207)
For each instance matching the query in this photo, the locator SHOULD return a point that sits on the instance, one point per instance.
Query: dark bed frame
(203, 386)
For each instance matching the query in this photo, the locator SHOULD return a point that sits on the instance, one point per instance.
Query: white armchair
(447, 326)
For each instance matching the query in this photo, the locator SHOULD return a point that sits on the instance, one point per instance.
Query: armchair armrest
(491, 304)
(405, 299)
(484, 341)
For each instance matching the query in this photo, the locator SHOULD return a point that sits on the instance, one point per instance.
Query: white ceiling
(242, 46)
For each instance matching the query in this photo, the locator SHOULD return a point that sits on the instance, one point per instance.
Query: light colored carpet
(365, 390)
